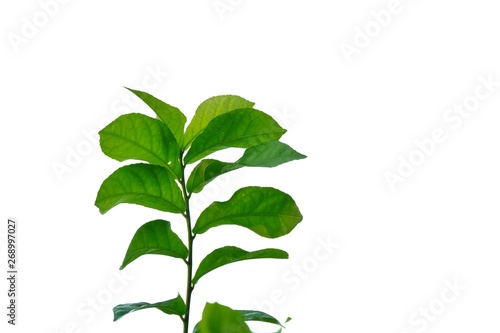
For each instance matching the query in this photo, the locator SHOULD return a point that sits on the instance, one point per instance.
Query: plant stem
(189, 288)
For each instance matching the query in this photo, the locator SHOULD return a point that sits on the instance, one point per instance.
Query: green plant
(220, 122)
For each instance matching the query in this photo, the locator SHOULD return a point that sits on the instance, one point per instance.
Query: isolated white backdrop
(355, 113)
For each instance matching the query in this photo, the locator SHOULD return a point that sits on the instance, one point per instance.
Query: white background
(353, 119)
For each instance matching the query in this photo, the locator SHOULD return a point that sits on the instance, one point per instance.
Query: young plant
(161, 183)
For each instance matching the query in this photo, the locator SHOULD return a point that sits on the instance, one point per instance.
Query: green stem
(189, 282)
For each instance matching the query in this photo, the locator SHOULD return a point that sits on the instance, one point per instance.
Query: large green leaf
(241, 128)
(218, 318)
(211, 108)
(139, 137)
(264, 210)
(268, 154)
(252, 315)
(170, 115)
(174, 306)
(142, 184)
(229, 254)
(155, 237)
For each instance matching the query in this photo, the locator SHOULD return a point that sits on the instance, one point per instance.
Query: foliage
(161, 183)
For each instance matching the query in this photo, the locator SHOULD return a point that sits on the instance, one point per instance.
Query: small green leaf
(139, 137)
(265, 210)
(211, 108)
(142, 184)
(218, 318)
(155, 237)
(241, 128)
(174, 306)
(170, 115)
(268, 154)
(229, 254)
(253, 315)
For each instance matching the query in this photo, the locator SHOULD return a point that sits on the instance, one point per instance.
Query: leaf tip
(116, 316)
(101, 210)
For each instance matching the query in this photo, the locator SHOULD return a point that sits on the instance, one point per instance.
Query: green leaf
(139, 137)
(218, 318)
(241, 128)
(206, 171)
(155, 237)
(174, 306)
(266, 211)
(229, 254)
(211, 108)
(253, 315)
(170, 115)
(268, 154)
(142, 184)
